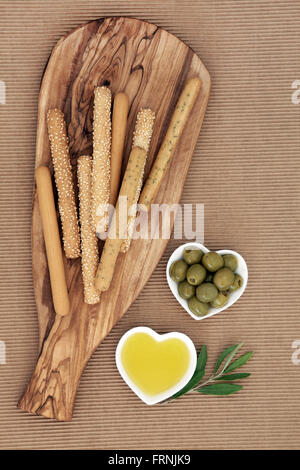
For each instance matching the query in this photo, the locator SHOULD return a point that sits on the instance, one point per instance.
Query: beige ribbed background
(245, 170)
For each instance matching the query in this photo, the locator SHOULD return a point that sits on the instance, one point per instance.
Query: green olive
(196, 274)
(230, 261)
(223, 279)
(192, 256)
(178, 270)
(198, 308)
(206, 292)
(185, 290)
(220, 300)
(212, 261)
(237, 283)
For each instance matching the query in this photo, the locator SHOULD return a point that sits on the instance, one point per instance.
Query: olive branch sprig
(222, 373)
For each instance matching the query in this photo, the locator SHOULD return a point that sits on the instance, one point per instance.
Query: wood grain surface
(151, 66)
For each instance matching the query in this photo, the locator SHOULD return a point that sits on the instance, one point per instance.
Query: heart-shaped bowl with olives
(225, 295)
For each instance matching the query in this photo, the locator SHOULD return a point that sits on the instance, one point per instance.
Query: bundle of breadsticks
(100, 187)
(133, 177)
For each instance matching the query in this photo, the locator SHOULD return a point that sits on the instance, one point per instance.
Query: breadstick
(101, 158)
(112, 245)
(64, 182)
(119, 123)
(179, 118)
(89, 241)
(141, 138)
(143, 129)
(59, 289)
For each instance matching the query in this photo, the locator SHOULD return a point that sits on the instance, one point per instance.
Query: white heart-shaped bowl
(152, 399)
(233, 297)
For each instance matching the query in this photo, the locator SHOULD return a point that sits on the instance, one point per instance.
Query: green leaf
(202, 359)
(220, 389)
(239, 362)
(234, 376)
(223, 355)
(198, 374)
(230, 357)
(191, 384)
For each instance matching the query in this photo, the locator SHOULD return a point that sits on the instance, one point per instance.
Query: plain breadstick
(179, 118)
(52, 241)
(131, 181)
(101, 158)
(141, 138)
(119, 124)
(89, 241)
(64, 182)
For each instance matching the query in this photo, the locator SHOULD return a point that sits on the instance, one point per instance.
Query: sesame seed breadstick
(64, 182)
(143, 129)
(179, 118)
(119, 123)
(58, 283)
(131, 181)
(141, 138)
(89, 241)
(101, 158)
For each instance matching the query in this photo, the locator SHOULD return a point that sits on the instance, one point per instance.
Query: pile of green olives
(205, 280)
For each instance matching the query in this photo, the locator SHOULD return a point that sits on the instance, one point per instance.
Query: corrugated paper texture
(245, 170)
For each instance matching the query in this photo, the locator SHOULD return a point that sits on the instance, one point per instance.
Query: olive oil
(154, 366)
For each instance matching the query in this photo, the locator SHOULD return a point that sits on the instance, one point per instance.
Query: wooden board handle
(52, 388)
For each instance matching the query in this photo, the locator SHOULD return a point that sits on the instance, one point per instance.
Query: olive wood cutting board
(151, 66)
